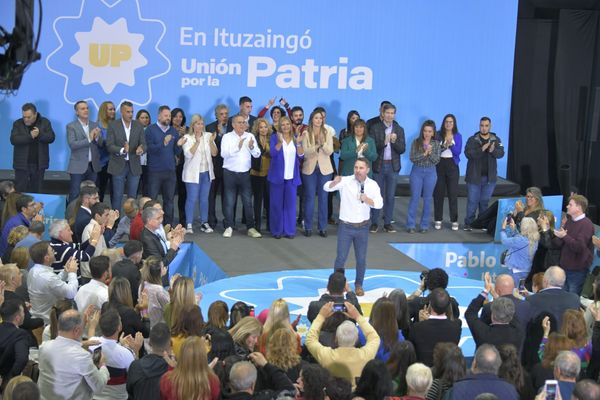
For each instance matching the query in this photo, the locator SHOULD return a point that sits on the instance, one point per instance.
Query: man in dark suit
(126, 142)
(434, 327)
(14, 342)
(30, 137)
(503, 288)
(216, 186)
(503, 330)
(128, 266)
(84, 138)
(553, 298)
(154, 243)
(245, 110)
(390, 143)
(89, 197)
(337, 286)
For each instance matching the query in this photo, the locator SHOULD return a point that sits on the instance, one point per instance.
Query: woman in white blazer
(198, 150)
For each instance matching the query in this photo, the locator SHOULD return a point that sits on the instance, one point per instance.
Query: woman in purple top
(447, 172)
(284, 178)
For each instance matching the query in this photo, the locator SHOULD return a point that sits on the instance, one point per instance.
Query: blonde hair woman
(245, 335)
(261, 129)
(183, 295)
(316, 171)
(192, 378)
(278, 317)
(282, 352)
(198, 150)
(521, 245)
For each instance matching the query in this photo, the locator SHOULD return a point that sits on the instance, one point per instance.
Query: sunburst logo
(109, 49)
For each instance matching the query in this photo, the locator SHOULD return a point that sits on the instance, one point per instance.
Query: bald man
(504, 287)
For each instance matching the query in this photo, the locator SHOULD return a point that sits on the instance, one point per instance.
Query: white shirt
(116, 356)
(234, 158)
(200, 161)
(447, 153)
(289, 159)
(127, 132)
(86, 129)
(84, 266)
(67, 371)
(45, 288)
(94, 292)
(352, 210)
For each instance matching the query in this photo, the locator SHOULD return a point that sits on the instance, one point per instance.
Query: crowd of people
(269, 163)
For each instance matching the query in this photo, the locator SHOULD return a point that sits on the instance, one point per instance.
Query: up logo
(109, 54)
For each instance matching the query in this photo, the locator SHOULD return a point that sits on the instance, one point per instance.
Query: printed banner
(506, 206)
(54, 208)
(429, 58)
(192, 262)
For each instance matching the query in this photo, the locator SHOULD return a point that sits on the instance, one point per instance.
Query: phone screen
(521, 284)
(339, 307)
(551, 391)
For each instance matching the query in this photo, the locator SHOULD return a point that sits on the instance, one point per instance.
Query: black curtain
(555, 75)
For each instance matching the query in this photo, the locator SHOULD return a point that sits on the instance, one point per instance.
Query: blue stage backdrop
(427, 57)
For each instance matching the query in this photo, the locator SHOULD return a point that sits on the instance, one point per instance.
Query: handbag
(505, 254)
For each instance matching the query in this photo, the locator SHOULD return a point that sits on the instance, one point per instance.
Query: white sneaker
(189, 229)
(438, 225)
(455, 226)
(253, 233)
(205, 227)
(228, 232)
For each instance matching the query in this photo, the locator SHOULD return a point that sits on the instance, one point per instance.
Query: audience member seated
(158, 297)
(182, 296)
(221, 343)
(129, 267)
(189, 323)
(245, 335)
(119, 352)
(89, 197)
(311, 381)
(402, 356)
(435, 326)
(143, 377)
(243, 375)
(74, 205)
(35, 233)
(130, 209)
(12, 278)
(103, 218)
(483, 378)
(67, 371)
(337, 286)
(513, 372)
(553, 298)
(14, 341)
(282, 352)
(95, 292)
(433, 279)
(448, 367)
(383, 320)
(61, 241)
(398, 297)
(345, 361)
(46, 287)
(505, 287)
(502, 329)
(119, 298)
(375, 381)
(27, 211)
(17, 234)
(21, 388)
(20, 257)
(418, 380)
(278, 317)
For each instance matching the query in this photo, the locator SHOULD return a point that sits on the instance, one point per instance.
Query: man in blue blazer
(83, 137)
(125, 142)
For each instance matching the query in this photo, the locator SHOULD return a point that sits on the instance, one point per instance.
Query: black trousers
(446, 185)
(30, 179)
(181, 194)
(260, 191)
(216, 187)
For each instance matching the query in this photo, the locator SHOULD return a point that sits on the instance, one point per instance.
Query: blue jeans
(118, 186)
(386, 179)
(478, 195)
(575, 281)
(233, 183)
(76, 180)
(349, 235)
(163, 182)
(197, 192)
(313, 185)
(422, 183)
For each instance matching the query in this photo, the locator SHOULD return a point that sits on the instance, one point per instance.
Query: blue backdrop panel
(299, 288)
(427, 57)
(505, 206)
(54, 208)
(192, 262)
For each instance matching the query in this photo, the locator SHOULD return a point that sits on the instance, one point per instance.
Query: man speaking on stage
(358, 194)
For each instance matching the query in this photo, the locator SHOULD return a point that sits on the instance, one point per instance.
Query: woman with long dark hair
(449, 366)
(383, 319)
(398, 297)
(513, 372)
(375, 382)
(143, 117)
(120, 298)
(447, 172)
(425, 155)
(402, 356)
(358, 145)
(178, 122)
(346, 132)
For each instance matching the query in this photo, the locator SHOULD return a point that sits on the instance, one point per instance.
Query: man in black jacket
(336, 287)
(482, 150)
(30, 137)
(143, 376)
(14, 342)
(216, 186)
(390, 143)
(128, 267)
